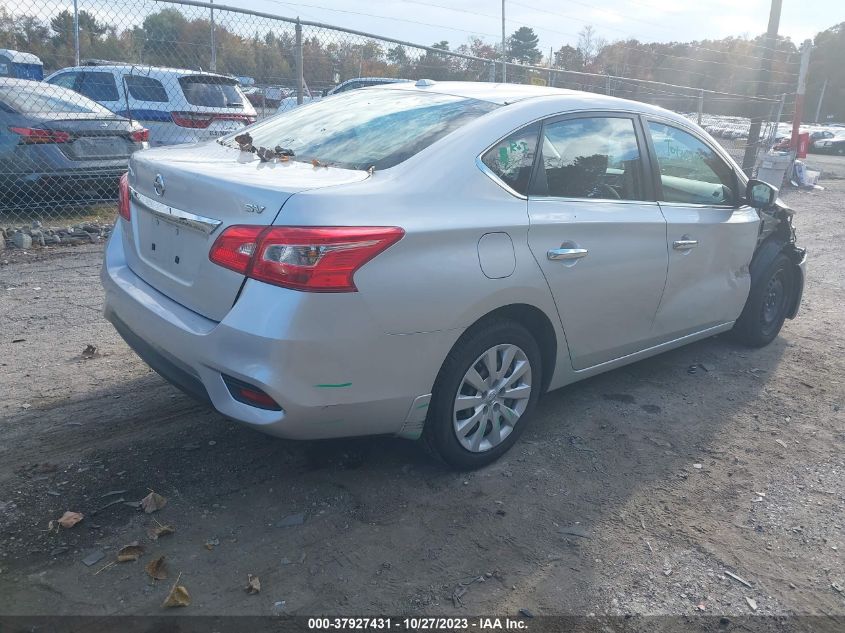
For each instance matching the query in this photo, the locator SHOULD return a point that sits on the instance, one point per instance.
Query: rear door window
(591, 157)
(512, 158)
(690, 170)
(145, 88)
(65, 80)
(212, 92)
(98, 86)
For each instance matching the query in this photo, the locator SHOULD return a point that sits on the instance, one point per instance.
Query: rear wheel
(767, 305)
(487, 388)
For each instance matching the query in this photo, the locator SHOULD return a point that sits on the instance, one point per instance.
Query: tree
(826, 64)
(569, 58)
(523, 46)
(590, 45)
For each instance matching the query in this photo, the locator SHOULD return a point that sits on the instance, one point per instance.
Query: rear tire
(767, 304)
(485, 392)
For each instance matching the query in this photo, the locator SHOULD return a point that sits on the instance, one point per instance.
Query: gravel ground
(633, 492)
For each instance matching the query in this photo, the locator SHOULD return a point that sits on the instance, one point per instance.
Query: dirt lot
(633, 492)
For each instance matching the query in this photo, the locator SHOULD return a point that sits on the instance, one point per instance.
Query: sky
(558, 22)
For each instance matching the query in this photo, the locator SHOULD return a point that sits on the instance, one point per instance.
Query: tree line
(169, 37)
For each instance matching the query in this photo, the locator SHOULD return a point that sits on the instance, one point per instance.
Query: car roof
(505, 93)
(20, 57)
(141, 70)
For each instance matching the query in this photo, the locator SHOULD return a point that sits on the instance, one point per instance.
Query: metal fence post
(493, 72)
(76, 31)
(300, 82)
(700, 105)
(213, 63)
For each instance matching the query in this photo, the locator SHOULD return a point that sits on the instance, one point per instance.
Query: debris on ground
(574, 530)
(178, 596)
(741, 581)
(89, 352)
(526, 613)
(69, 519)
(291, 520)
(253, 585)
(156, 568)
(751, 603)
(155, 532)
(211, 543)
(94, 557)
(131, 552)
(153, 502)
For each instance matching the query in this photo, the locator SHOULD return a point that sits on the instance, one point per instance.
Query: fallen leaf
(156, 568)
(130, 552)
(69, 519)
(253, 585)
(178, 596)
(153, 502)
(157, 531)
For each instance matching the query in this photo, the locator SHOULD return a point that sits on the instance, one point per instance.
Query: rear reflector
(140, 136)
(123, 198)
(250, 394)
(33, 136)
(313, 259)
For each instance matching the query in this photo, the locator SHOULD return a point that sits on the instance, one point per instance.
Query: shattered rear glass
(367, 128)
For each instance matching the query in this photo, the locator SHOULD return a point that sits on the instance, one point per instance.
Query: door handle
(684, 245)
(566, 253)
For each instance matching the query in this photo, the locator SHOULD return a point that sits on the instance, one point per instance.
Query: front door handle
(684, 245)
(557, 254)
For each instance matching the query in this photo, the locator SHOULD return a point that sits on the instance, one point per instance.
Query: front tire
(767, 305)
(485, 392)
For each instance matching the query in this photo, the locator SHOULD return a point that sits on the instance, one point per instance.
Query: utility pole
(76, 32)
(802, 88)
(821, 100)
(300, 80)
(750, 157)
(504, 47)
(213, 42)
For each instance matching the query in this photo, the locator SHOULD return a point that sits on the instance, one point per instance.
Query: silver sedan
(425, 260)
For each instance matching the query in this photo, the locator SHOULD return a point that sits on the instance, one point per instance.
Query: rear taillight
(33, 135)
(314, 259)
(140, 136)
(123, 198)
(201, 120)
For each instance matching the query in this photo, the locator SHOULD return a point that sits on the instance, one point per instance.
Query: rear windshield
(212, 92)
(367, 128)
(43, 97)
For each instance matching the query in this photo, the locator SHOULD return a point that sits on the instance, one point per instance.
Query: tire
(491, 422)
(767, 304)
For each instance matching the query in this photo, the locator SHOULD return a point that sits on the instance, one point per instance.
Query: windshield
(212, 92)
(366, 128)
(42, 98)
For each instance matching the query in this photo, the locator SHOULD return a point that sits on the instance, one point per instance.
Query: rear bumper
(331, 369)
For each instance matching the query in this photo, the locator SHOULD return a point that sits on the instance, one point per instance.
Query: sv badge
(254, 208)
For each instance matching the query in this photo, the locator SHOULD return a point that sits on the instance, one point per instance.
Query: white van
(177, 106)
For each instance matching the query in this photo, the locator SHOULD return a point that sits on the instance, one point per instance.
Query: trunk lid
(94, 137)
(184, 197)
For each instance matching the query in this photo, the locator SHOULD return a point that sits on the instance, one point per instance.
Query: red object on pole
(803, 145)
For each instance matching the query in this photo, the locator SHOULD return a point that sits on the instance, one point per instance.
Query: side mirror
(760, 194)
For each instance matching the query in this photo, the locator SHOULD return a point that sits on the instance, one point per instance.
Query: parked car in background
(830, 143)
(289, 102)
(56, 145)
(177, 106)
(427, 259)
(20, 65)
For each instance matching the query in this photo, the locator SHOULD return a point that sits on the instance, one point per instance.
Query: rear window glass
(42, 97)
(145, 88)
(98, 86)
(367, 128)
(212, 92)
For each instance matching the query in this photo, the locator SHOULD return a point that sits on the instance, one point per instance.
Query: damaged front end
(777, 235)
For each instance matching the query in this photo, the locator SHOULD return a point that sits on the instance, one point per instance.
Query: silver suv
(425, 260)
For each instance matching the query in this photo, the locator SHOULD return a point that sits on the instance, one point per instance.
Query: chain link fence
(120, 76)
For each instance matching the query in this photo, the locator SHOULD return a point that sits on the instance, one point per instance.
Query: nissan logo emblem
(158, 185)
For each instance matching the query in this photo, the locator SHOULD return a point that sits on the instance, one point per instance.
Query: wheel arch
(766, 253)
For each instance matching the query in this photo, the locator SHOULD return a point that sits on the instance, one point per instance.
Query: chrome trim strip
(492, 176)
(175, 216)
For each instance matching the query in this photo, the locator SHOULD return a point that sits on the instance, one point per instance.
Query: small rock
(526, 613)
(21, 240)
(94, 557)
(698, 466)
(751, 603)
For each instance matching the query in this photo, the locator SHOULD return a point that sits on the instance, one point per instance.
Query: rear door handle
(566, 253)
(684, 245)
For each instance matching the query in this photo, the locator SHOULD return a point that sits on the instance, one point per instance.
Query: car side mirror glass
(760, 194)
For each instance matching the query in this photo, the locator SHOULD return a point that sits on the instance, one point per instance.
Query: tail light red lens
(123, 198)
(235, 247)
(33, 136)
(313, 259)
(140, 136)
